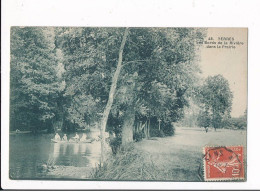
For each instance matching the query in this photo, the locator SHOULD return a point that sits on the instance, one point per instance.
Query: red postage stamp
(223, 163)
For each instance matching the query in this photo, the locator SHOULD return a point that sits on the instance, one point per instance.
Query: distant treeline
(227, 123)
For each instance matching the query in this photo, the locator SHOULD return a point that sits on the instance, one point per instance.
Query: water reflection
(75, 154)
(83, 148)
(56, 150)
(75, 148)
(94, 154)
(25, 158)
(64, 149)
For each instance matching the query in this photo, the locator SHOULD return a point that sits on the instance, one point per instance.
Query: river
(29, 155)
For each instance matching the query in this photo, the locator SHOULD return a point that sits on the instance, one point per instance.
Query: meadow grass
(176, 158)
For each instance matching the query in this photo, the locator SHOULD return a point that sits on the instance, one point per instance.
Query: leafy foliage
(63, 75)
(204, 119)
(34, 83)
(216, 99)
(162, 73)
(236, 123)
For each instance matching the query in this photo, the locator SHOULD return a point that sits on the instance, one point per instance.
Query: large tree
(90, 56)
(216, 99)
(157, 75)
(34, 82)
(159, 72)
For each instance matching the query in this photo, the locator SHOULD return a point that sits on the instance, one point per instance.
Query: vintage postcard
(128, 104)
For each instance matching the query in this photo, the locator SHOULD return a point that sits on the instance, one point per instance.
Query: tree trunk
(148, 129)
(128, 126)
(111, 95)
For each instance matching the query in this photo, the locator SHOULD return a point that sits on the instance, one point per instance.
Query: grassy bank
(127, 164)
(134, 164)
(176, 158)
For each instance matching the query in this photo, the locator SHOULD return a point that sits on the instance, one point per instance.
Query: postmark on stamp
(224, 163)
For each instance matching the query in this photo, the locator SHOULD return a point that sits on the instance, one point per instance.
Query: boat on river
(72, 141)
(19, 132)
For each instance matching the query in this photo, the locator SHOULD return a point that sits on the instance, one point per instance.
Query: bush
(238, 123)
(115, 144)
(138, 136)
(235, 123)
(168, 129)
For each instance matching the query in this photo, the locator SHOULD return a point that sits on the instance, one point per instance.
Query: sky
(229, 62)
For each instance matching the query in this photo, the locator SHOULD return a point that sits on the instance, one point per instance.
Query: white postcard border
(168, 13)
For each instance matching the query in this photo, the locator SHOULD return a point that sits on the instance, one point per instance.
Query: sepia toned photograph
(128, 104)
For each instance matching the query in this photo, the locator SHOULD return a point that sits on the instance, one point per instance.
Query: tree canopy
(34, 82)
(62, 76)
(216, 99)
(159, 69)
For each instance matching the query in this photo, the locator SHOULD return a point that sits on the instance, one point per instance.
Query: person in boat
(76, 137)
(57, 137)
(84, 137)
(64, 138)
